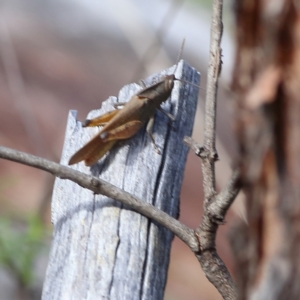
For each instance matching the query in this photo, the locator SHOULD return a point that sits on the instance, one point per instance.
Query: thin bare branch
(99, 186)
(214, 70)
(213, 73)
(217, 273)
(212, 265)
(215, 207)
(218, 206)
(196, 147)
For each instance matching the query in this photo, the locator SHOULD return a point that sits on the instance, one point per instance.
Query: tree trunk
(267, 86)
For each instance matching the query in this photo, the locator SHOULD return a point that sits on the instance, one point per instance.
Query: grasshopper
(123, 123)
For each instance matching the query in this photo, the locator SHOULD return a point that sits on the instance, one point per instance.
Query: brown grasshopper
(123, 123)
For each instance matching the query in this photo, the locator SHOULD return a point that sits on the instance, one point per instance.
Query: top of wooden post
(100, 249)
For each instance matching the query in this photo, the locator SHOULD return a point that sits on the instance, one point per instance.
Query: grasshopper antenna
(177, 61)
(179, 55)
(182, 80)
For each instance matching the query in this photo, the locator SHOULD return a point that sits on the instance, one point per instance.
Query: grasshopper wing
(103, 142)
(97, 154)
(88, 150)
(107, 140)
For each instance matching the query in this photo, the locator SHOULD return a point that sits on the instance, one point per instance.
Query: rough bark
(267, 87)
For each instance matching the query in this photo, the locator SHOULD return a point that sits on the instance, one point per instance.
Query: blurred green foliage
(19, 247)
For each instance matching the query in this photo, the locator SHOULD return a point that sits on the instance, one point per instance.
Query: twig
(217, 209)
(217, 273)
(213, 73)
(99, 186)
(215, 206)
(197, 148)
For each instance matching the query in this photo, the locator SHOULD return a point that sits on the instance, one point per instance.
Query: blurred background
(69, 54)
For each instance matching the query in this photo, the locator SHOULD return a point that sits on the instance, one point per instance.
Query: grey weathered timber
(100, 249)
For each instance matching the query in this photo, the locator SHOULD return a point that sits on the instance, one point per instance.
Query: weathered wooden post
(101, 249)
